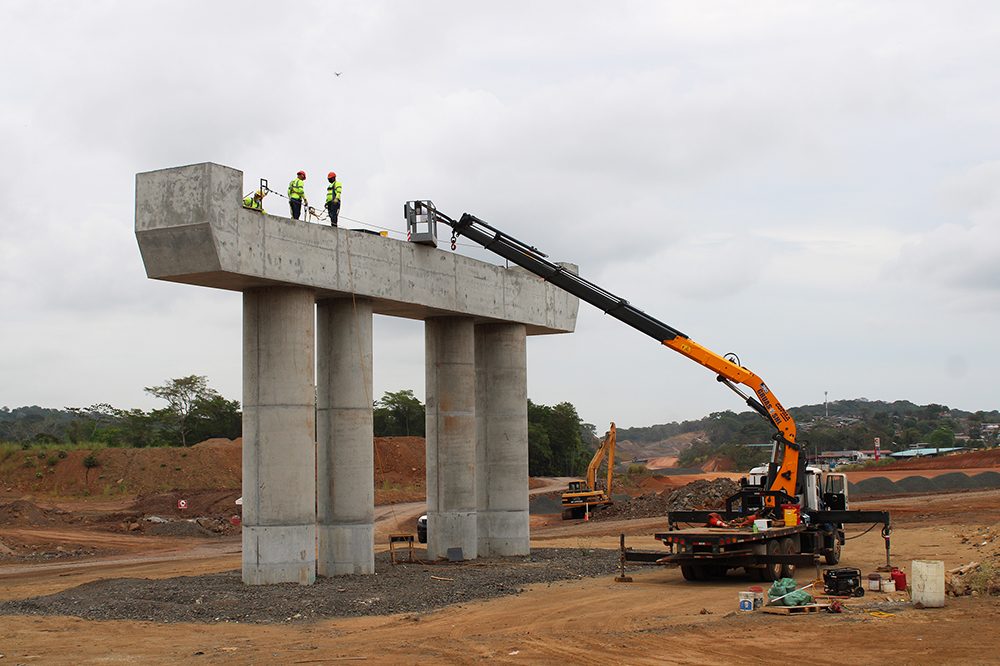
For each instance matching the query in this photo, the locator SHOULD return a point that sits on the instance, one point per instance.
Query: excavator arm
(787, 469)
(607, 448)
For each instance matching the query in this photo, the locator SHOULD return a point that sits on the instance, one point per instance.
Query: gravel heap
(880, 485)
(403, 588)
(699, 494)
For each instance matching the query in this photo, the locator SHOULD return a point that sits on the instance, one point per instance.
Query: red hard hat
(332, 175)
(301, 174)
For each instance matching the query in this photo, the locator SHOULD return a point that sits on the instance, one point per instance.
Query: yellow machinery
(580, 498)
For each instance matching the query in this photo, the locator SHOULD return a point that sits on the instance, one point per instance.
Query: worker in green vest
(254, 201)
(297, 194)
(333, 197)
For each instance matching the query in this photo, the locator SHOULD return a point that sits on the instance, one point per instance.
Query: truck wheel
(702, 572)
(771, 572)
(833, 557)
(687, 571)
(787, 547)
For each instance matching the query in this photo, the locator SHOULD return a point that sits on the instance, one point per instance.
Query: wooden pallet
(795, 610)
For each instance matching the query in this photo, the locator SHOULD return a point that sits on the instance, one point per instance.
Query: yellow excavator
(579, 499)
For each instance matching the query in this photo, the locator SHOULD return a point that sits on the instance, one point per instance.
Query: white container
(762, 525)
(888, 585)
(927, 583)
(746, 601)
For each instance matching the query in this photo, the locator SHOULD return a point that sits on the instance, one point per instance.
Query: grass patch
(7, 449)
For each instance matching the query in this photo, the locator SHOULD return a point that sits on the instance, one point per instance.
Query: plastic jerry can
(899, 576)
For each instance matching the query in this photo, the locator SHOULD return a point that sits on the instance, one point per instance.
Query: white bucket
(746, 601)
(927, 582)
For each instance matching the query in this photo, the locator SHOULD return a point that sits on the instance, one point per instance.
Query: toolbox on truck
(843, 582)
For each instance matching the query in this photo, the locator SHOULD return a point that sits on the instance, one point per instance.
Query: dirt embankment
(215, 464)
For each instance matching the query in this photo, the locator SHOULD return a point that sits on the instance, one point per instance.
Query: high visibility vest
(296, 189)
(250, 202)
(333, 191)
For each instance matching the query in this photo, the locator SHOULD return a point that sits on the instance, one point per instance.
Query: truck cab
(821, 490)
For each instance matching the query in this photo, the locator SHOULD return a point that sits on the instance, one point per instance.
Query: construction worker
(333, 197)
(254, 201)
(297, 194)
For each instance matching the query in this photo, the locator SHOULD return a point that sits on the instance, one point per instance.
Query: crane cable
(322, 216)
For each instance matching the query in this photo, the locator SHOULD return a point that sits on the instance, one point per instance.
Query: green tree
(399, 414)
(555, 446)
(942, 438)
(182, 396)
(215, 417)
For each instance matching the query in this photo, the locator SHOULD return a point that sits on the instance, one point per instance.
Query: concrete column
(345, 500)
(502, 440)
(279, 456)
(451, 436)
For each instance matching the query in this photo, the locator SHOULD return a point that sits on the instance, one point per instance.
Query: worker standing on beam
(254, 201)
(333, 198)
(297, 194)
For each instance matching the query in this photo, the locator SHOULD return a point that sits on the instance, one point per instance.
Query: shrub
(90, 462)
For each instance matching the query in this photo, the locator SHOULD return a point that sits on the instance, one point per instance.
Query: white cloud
(781, 180)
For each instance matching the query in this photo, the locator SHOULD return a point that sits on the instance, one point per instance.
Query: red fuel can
(899, 577)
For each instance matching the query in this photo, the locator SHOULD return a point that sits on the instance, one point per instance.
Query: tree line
(559, 443)
(845, 425)
(194, 412)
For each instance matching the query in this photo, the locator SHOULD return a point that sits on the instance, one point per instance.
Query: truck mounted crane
(776, 545)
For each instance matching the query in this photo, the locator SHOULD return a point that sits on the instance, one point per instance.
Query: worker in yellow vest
(297, 194)
(333, 197)
(254, 201)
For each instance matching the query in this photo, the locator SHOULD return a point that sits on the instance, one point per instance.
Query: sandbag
(797, 598)
(781, 587)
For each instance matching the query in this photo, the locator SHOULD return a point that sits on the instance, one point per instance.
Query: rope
(323, 216)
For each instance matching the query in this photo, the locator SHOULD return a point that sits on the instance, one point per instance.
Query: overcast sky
(814, 186)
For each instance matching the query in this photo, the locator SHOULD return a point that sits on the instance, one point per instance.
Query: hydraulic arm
(787, 465)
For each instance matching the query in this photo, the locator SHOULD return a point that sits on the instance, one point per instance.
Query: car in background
(422, 529)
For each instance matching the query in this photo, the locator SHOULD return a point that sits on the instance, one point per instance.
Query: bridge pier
(345, 498)
(302, 517)
(279, 459)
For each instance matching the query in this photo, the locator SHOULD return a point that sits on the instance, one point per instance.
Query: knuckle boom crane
(787, 467)
(767, 555)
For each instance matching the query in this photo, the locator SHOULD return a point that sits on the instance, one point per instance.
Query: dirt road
(657, 619)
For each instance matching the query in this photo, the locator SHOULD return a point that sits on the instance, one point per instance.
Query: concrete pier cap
(192, 228)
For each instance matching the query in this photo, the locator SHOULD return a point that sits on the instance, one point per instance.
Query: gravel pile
(404, 588)
(880, 485)
(987, 480)
(700, 494)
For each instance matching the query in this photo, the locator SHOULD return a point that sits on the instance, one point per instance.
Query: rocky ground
(394, 589)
